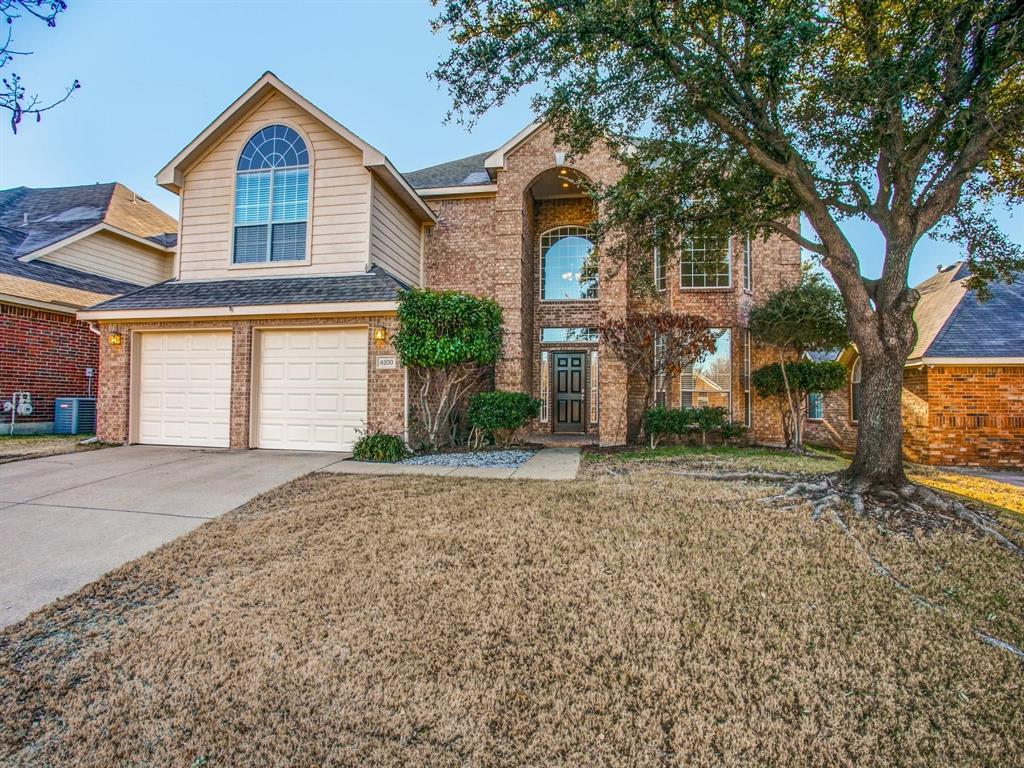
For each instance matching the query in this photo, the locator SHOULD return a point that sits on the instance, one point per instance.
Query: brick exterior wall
(386, 388)
(952, 415)
(490, 246)
(45, 354)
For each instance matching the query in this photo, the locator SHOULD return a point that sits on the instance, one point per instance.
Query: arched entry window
(855, 375)
(272, 197)
(568, 264)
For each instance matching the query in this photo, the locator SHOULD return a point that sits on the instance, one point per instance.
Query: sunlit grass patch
(974, 487)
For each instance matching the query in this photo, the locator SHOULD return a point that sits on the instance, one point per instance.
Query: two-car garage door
(311, 388)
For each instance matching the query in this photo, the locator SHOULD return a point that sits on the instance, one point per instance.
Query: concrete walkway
(1010, 476)
(546, 464)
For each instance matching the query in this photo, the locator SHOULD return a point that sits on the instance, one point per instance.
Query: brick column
(114, 386)
(241, 385)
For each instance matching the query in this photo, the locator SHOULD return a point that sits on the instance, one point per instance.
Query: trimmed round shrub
(380, 447)
(501, 414)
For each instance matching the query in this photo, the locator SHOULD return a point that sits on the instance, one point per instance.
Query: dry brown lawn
(18, 447)
(621, 620)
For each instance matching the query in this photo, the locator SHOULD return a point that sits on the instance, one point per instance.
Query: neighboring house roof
(36, 221)
(953, 323)
(172, 175)
(464, 172)
(33, 292)
(373, 286)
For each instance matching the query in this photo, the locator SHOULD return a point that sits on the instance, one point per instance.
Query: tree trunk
(878, 461)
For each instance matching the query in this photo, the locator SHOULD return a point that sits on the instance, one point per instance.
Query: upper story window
(748, 272)
(272, 198)
(855, 391)
(568, 265)
(706, 262)
(660, 269)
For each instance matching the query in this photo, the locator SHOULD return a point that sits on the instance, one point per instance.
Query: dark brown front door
(570, 385)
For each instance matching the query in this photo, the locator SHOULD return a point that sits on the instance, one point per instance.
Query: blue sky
(155, 73)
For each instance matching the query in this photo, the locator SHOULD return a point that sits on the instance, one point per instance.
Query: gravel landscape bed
(504, 459)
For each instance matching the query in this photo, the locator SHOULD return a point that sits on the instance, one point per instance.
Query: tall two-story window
(272, 198)
(568, 265)
(748, 269)
(709, 382)
(705, 262)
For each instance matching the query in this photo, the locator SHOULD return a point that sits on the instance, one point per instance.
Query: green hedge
(501, 414)
(661, 422)
(380, 447)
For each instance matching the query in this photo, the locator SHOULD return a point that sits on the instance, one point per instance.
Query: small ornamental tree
(804, 318)
(795, 382)
(656, 344)
(449, 340)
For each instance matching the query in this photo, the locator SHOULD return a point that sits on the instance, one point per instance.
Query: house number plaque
(387, 362)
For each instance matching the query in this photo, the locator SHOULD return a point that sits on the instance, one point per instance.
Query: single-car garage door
(312, 388)
(184, 393)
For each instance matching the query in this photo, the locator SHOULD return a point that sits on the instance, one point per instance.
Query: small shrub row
(500, 416)
(661, 422)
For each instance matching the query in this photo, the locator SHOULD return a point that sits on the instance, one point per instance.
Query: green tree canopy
(441, 329)
(809, 316)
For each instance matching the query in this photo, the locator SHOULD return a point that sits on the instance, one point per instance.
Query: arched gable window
(568, 265)
(272, 197)
(855, 375)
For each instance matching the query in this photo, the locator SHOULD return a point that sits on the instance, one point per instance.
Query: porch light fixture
(564, 172)
(565, 185)
(380, 334)
(114, 339)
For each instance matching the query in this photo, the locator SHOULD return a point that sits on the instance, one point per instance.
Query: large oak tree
(743, 114)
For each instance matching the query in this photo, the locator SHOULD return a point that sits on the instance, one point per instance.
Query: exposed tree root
(880, 569)
(751, 476)
(905, 510)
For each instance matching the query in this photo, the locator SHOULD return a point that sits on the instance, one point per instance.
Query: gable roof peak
(172, 175)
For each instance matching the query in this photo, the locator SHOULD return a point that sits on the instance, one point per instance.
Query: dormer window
(272, 198)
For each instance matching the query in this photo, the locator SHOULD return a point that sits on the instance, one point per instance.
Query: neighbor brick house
(62, 249)
(963, 385)
(296, 237)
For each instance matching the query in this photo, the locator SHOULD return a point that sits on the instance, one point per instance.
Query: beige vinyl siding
(103, 253)
(394, 236)
(339, 214)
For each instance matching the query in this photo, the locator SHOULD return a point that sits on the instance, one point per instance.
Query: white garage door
(184, 388)
(312, 388)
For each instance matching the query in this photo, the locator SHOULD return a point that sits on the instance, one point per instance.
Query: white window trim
(545, 378)
(728, 258)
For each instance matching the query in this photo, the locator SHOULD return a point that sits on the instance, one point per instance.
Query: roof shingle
(464, 172)
(375, 285)
(952, 322)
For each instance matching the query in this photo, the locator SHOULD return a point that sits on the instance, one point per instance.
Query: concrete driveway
(67, 520)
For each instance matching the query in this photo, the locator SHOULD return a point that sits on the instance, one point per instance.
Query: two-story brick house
(295, 238)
